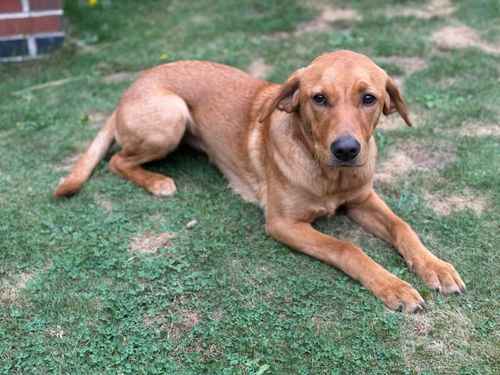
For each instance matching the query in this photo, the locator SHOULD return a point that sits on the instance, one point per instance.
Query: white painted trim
(29, 14)
(32, 48)
(15, 58)
(26, 5)
(22, 58)
(36, 35)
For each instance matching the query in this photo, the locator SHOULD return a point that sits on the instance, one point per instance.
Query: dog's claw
(400, 296)
(441, 276)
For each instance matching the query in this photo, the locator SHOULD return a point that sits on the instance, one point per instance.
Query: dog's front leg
(375, 217)
(395, 293)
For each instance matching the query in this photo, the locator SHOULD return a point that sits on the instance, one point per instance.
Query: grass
(222, 297)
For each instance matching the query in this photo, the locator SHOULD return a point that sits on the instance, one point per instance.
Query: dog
(300, 150)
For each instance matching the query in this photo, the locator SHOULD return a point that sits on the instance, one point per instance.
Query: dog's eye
(369, 99)
(320, 99)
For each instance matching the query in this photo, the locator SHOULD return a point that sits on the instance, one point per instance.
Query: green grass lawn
(112, 281)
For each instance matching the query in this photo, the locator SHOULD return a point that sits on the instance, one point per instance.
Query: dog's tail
(83, 168)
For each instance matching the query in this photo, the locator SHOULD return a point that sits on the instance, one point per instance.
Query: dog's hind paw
(164, 187)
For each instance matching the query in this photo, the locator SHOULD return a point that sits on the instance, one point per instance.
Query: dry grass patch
(55, 332)
(10, 287)
(460, 37)
(437, 340)
(259, 69)
(104, 203)
(445, 205)
(218, 314)
(412, 157)
(149, 243)
(409, 64)
(180, 323)
(480, 130)
(120, 77)
(395, 122)
(328, 16)
(434, 8)
(322, 325)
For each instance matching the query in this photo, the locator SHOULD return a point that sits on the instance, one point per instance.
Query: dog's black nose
(345, 148)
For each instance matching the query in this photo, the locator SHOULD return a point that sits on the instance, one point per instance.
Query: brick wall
(29, 28)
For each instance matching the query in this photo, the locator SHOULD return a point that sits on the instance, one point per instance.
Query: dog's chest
(330, 205)
(327, 204)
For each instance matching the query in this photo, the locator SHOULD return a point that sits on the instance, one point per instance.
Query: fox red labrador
(300, 150)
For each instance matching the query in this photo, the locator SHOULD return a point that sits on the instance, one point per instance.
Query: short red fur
(273, 143)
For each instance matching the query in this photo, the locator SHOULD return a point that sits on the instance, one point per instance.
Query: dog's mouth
(335, 163)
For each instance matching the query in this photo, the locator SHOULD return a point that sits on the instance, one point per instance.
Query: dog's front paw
(399, 295)
(441, 275)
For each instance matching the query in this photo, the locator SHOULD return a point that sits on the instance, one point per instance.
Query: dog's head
(339, 98)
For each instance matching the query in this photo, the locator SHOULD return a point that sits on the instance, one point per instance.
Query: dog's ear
(287, 98)
(394, 101)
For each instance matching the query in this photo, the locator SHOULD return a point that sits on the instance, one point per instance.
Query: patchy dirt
(480, 130)
(104, 203)
(175, 328)
(437, 339)
(397, 164)
(459, 37)
(149, 243)
(218, 314)
(392, 122)
(395, 122)
(445, 205)
(434, 8)
(328, 16)
(120, 77)
(259, 69)
(410, 65)
(56, 332)
(10, 287)
(411, 157)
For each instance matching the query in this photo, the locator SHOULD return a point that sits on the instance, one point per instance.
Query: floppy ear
(395, 102)
(287, 98)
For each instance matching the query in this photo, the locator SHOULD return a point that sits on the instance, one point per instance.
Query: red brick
(7, 6)
(30, 25)
(45, 24)
(15, 26)
(45, 4)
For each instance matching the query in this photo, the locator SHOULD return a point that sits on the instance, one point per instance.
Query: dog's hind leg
(148, 128)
